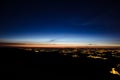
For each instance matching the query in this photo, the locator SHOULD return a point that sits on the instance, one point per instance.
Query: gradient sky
(60, 22)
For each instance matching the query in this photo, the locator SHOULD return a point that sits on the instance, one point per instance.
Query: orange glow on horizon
(56, 45)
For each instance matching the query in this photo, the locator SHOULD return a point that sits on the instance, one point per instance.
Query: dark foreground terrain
(21, 64)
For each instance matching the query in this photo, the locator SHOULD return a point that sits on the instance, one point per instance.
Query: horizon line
(56, 45)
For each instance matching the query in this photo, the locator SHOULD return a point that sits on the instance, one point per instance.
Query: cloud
(52, 40)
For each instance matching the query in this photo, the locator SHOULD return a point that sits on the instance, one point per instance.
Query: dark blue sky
(50, 19)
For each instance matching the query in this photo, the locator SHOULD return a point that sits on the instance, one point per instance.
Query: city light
(114, 72)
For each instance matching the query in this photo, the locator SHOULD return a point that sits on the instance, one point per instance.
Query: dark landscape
(28, 63)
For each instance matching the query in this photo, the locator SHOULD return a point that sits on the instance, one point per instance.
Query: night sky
(60, 22)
